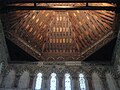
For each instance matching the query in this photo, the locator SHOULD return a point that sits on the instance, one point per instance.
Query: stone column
(60, 82)
(89, 79)
(46, 83)
(76, 83)
(32, 82)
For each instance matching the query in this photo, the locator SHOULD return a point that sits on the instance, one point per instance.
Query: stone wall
(3, 49)
(116, 55)
(3, 54)
(96, 75)
(22, 76)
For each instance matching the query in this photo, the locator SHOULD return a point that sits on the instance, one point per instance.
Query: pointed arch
(111, 82)
(53, 81)
(38, 82)
(67, 82)
(24, 80)
(82, 81)
(97, 82)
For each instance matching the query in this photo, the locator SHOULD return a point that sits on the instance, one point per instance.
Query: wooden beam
(14, 8)
(58, 1)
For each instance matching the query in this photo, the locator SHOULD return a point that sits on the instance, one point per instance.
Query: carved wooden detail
(60, 35)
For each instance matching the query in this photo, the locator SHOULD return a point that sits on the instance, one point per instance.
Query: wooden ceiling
(60, 34)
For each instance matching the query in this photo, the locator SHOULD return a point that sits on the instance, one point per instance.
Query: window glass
(67, 82)
(38, 81)
(82, 82)
(53, 81)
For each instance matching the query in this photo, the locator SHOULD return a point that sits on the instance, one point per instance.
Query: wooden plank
(83, 35)
(85, 26)
(99, 24)
(105, 20)
(15, 8)
(58, 1)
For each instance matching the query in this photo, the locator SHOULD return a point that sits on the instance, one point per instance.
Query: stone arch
(24, 80)
(9, 79)
(60, 58)
(35, 77)
(68, 70)
(57, 80)
(112, 85)
(85, 77)
(50, 59)
(97, 82)
(72, 86)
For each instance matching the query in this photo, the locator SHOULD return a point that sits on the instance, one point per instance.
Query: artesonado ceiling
(60, 34)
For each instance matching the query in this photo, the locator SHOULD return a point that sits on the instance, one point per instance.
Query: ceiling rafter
(70, 34)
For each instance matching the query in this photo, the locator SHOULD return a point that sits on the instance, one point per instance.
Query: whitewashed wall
(111, 82)
(96, 81)
(10, 79)
(24, 81)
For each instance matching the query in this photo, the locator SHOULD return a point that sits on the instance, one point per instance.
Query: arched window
(82, 82)
(38, 83)
(97, 82)
(53, 81)
(111, 82)
(24, 80)
(67, 82)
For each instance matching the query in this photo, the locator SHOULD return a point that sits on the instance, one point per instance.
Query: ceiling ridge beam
(14, 8)
(58, 1)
